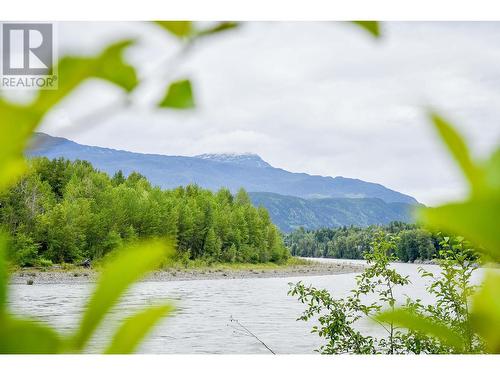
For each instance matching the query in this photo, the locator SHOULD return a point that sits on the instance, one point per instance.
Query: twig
(251, 334)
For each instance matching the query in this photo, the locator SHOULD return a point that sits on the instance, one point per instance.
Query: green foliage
(478, 218)
(372, 27)
(412, 242)
(133, 330)
(18, 121)
(63, 226)
(337, 316)
(113, 282)
(188, 30)
(486, 312)
(459, 150)
(218, 28)
(66, 212)
(448, 318)
(447, 321)
(25, 251)
(73, 70)
(179, 95)
(128, 266)
(20, 336)
(181, 29)
(416, 322)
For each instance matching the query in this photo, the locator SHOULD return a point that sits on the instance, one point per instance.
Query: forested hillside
(64, 211)
(290, 213)
(412, 242)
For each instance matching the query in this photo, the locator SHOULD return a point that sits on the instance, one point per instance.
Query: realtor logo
(27, 55)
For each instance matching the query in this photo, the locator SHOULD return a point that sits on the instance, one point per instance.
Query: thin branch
(251, 334)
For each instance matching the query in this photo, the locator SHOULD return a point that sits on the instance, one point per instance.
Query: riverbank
(220, 271)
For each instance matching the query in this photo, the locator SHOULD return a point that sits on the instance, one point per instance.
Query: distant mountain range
(293, 199)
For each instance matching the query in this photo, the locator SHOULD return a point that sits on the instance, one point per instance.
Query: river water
(202, 322)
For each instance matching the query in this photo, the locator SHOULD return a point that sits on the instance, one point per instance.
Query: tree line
(412, 242)
(67, 211)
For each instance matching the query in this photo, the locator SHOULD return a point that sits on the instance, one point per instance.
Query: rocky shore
(33, 276)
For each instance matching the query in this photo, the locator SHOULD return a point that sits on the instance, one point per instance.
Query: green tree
(477, 217)
(337, 317)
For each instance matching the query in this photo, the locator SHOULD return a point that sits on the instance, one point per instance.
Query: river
(202, 323)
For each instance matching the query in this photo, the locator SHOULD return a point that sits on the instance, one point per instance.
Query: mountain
(213, 171)
(292, 199)
(289, 213)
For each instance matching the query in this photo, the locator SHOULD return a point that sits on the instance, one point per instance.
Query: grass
(197, 264)
(200, 264)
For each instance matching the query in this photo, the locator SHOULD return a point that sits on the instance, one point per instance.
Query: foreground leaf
(492, 172)
(477, 219)
(419, 323)
(132, 263)
(218, 28)
(372, 27)
(111, 66)
(73, 70)
(27, 337)
(135, 328)
(179, 95)
(486, 311)
(460, 152)
(181, 29)
(17, 123)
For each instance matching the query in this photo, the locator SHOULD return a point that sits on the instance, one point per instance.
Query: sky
(314, 97)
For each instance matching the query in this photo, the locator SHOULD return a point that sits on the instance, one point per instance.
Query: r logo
(27, 48)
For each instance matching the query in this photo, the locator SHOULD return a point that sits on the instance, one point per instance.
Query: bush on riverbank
(450, 290)
(63, 211)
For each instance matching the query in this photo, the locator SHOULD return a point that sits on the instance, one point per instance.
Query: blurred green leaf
(135, 328)
(486, 311)
(219, 27)
(133, 262)
(373, 27)
(111, 66)
(17, 123)
(72, 71)
(181, 29)
(492, 171)
(419, 323)
(179, 95)
(477, 219)
(459, 150)
(27, 337)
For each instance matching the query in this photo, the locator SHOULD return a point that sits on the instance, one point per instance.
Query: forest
(413, 243)
(67, 212)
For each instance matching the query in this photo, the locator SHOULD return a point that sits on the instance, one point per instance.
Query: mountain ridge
(213, 171)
